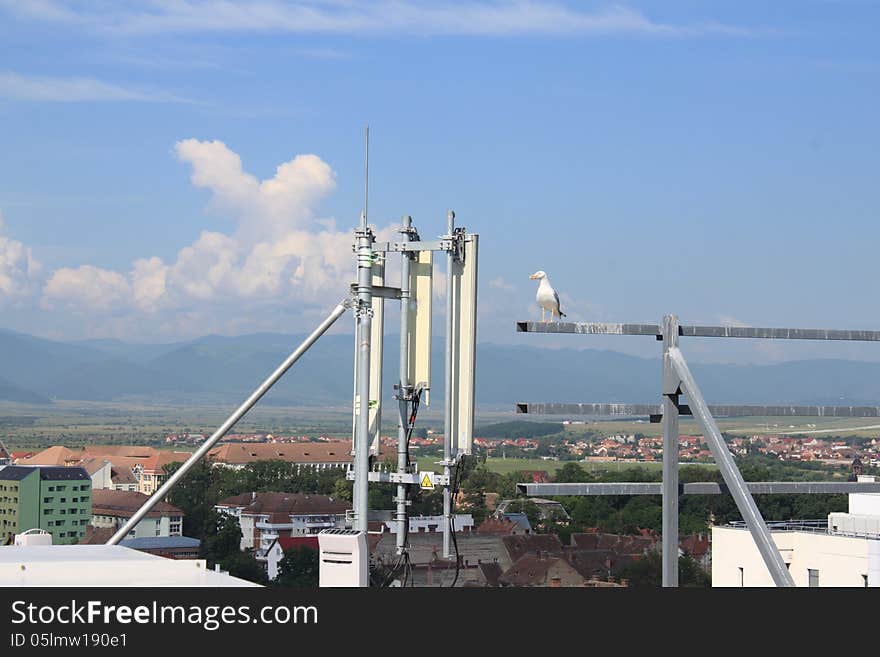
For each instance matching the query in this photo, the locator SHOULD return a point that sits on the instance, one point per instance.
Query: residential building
(280, 545)
(320, 456)
(5, 455)
(463, 522)
(266, 516)
(145, 465)
(113, 508)
(844, 551)
(509, 525)
(541, 569)
(56, 499)
(171, 547)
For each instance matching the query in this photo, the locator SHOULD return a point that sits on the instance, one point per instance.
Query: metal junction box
(345, 558)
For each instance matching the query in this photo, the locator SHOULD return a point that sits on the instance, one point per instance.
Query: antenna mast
(364, 313)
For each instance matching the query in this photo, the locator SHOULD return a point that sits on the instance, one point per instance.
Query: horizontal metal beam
(435, 245)
(702, 488)
(408, 478)
(381, 291)
(778, 333)
(718, 410)
(588, 328)
(596, 328)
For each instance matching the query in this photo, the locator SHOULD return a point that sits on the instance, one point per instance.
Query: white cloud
(421, 17)
(271, 206)
(18, 268)
(14, 86)
(279, 255)
(500, 284)
(85, 289)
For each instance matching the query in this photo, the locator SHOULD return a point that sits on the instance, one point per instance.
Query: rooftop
(104, 565)
(107, 502)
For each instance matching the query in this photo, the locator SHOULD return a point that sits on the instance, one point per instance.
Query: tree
(533, 513)
(222, 537)
(342, 490)
(245, 566)
(298, 568)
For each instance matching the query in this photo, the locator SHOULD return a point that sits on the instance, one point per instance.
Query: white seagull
(547, 297)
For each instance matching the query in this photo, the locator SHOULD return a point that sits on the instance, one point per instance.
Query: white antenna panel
(377, 332)
(464, 346)
(421, 281)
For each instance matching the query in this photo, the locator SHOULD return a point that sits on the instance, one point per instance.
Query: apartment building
(56, 499)
(265, 517)
(318, 456)
(113, 508)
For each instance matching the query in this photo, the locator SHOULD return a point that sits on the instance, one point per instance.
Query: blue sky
(718, 160)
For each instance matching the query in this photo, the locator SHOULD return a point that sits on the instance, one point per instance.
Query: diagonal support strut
(732, 476)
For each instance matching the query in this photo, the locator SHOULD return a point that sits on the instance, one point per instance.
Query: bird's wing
(556, 298)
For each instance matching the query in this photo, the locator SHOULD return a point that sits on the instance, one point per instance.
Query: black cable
(457, 483)
(404, 560)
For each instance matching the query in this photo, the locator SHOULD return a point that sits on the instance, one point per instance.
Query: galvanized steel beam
(598, 328)
(731, 474)
(671, 389)
(718, 410)
(702, 488)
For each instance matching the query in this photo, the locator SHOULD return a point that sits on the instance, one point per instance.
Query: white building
(103, 565)
(845, 553)
(113, 508)
(264, 517)
(464, 522)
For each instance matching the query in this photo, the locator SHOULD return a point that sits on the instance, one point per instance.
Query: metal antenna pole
(364, 310)
(404, 392)
(732, 476)
(448, 401)
(671, 389)
(230, 422)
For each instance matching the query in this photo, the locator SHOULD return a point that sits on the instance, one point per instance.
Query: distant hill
(225, 369)
(10, 392)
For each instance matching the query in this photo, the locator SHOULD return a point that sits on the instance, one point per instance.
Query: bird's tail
(562, 314)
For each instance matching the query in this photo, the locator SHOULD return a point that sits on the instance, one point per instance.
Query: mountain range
(226, 369)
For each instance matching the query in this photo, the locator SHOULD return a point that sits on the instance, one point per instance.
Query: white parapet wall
(103, 565)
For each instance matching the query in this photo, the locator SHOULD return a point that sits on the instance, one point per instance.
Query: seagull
(547, 297)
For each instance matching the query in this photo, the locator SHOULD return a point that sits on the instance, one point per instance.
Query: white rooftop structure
(845, 551)
(104, 565)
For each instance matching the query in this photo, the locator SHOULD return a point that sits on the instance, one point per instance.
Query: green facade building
(56, 499)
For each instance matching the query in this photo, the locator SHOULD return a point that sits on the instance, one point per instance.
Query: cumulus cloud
(270, 207)
(279, 253)
(86, 288)
(18, 268)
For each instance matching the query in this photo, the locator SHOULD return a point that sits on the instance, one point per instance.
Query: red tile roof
(124, 503)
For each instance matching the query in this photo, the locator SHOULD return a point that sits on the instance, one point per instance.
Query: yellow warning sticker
(427, 482)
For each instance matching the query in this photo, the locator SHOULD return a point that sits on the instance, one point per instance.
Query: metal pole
(403, 389)
(447, 433)
(364, 240)
(732, 476)
(230, 422)
(670, 455)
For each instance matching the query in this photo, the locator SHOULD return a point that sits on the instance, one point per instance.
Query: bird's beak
(533, 277)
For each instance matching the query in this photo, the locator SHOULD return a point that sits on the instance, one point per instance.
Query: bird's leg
(543, 314)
